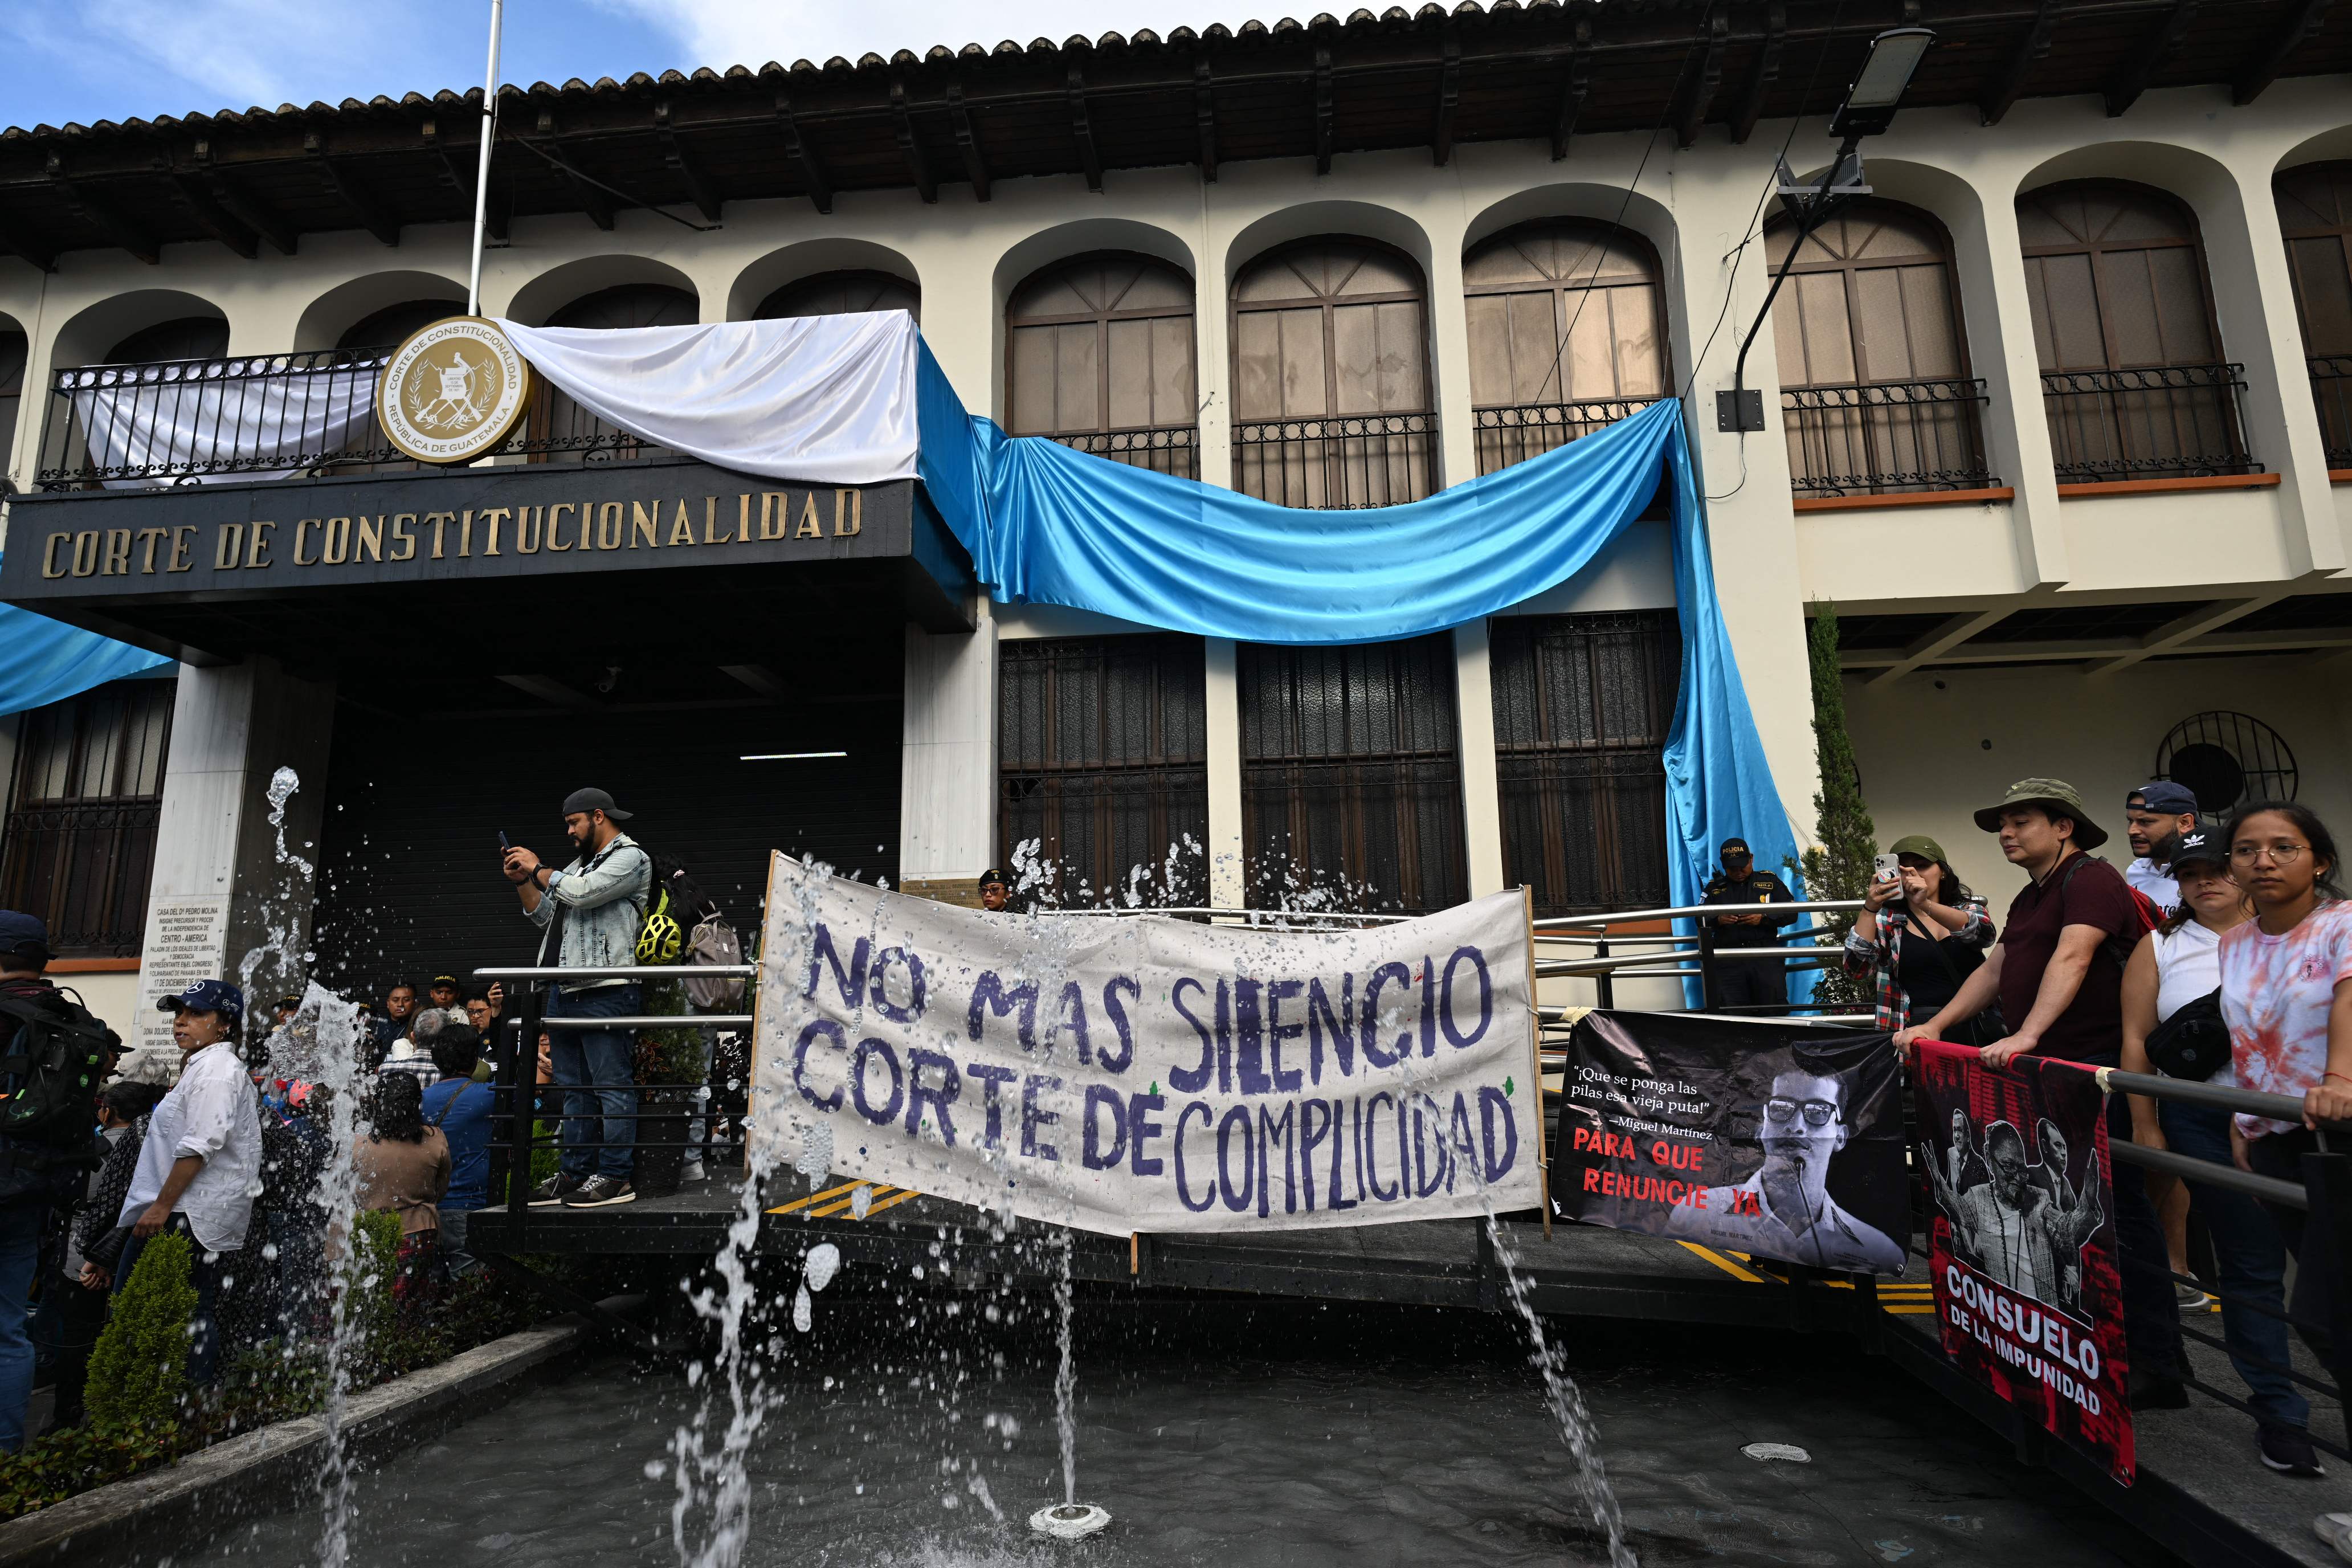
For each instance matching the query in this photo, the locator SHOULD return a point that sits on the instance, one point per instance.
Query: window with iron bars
(1582, 704)
(1351, 777)
(82, 816)
(1102, 772)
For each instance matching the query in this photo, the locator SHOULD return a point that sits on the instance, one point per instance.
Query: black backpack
(50, 1073)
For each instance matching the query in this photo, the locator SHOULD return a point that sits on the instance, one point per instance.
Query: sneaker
(2288, 1450)
(600, 1192)
(691, 1172)
(2335, 1528)
(2190, 1298)
(555, 1190)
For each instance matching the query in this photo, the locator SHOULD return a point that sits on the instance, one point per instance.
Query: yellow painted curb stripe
(1728, 1266)
(799, 1204)
(844, 1206)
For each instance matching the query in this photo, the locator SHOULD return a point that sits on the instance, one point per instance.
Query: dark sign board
(113, 550)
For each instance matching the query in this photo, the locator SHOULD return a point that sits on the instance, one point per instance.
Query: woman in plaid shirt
(1918, 936)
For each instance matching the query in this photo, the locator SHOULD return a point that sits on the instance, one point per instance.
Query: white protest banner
(1145, 1074)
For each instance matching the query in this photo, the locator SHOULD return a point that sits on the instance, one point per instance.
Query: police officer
(1742, 981)
(995, 895)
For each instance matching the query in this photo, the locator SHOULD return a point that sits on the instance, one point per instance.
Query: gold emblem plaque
(453, 392)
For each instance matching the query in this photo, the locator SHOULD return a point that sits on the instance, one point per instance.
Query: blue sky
(64, 60)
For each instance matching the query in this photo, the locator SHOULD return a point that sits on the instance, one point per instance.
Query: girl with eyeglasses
(2286, 995)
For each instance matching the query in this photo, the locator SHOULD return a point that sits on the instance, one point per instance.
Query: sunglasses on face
(1817, 1112)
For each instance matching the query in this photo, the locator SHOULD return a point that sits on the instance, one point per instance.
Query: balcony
(1359, 460)
(2165, 422)
(2331, 390)
(1162, 449)
(178, 422)
(1513, 434)
(1887, 438)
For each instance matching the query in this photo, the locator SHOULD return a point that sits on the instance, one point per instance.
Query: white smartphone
(1885, 868)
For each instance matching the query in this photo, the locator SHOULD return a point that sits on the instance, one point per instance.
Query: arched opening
(846, 293)
(1876, 395)
(184, 337)
(1330, 376)
(155, 405)
(559, 425)
(15, 348)
(2132, 378)
(1099, 356)
(1566, 327)
(2315, 213)
(395, 324)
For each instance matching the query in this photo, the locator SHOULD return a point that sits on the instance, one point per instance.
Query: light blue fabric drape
(1047, 525)
(44, 661)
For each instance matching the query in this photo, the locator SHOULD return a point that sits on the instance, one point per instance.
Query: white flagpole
(482, 171)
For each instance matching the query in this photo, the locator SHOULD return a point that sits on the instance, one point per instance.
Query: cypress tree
(138, 1368)
(1838, 866)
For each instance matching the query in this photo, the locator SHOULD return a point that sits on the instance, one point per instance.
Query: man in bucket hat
(2058, 973)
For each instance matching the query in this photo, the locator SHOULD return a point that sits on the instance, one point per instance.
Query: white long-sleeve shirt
(213, 1112)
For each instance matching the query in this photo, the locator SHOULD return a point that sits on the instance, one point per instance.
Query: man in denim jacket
(602, 896)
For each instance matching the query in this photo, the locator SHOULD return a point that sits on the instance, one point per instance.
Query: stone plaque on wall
(185, 939)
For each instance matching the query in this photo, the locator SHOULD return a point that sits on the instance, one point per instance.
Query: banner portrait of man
(1754, 1136)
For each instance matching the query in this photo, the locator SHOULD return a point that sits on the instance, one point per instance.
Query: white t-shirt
(2189, 965)
(2143, 875)
(2276, 992)
(212, 1111)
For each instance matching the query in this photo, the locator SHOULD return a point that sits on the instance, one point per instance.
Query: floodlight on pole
(1869, 109)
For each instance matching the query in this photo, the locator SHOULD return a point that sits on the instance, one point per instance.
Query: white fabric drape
(173, 416)
(828, 400)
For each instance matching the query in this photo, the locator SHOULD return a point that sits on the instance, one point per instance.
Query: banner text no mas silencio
(1331, 1146)
(757, 516)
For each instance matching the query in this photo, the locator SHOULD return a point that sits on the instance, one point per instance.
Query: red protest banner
(2023, 1242)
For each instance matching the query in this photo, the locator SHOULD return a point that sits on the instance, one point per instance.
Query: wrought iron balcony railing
(176, 422)
(1509, 434)
(1886, 438)
(1163, 448)
(2331, 389)
(1358, 460)
(2163, 422)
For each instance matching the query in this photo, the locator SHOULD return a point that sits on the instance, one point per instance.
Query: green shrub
(139, 1369)
(63, 1463)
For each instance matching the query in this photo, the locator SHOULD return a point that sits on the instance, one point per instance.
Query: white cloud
(720, 33)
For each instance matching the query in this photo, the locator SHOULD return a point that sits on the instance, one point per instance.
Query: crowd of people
(2222, 953)
(231, 1159)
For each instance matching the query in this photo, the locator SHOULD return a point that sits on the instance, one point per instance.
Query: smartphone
(504, 846)
(1886, 868)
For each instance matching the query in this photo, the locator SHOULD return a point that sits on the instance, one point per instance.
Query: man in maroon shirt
(2058, 971)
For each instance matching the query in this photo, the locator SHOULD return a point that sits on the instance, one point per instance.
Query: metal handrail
(629, 972)
(654, 1021)
(1684, 912)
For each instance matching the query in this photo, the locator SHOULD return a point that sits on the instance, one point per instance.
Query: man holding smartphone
(602, 895)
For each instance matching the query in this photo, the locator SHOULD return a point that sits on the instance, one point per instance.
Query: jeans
(453, 1256)
(600, 1126)
(2280, 1154)
(2151, 1311)
(205, 1272)
(20, 1255)
(65, 1331)
(2249, 1260)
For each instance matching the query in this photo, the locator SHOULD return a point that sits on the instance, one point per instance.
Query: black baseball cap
(21, 933)
(586, 800)
(1730, 845)
(217, 997)
(992, 875)
(2202, 843)
(441, 979)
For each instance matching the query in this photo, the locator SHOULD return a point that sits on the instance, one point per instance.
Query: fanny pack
(2194, 1043)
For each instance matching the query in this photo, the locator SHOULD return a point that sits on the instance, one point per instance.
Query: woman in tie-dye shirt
(2286, 994)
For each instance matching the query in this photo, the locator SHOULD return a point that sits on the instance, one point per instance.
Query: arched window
(190, 337)
(2132, 378)
(1331, 395)
(1098, 355)
(842, 294)
(1876, 395)
(395, 324)
(559, 425)
(1567, 333)
(13, 349)
(2314, 211)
